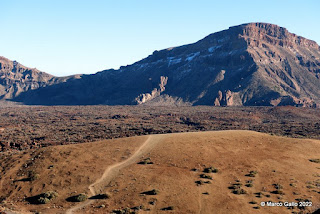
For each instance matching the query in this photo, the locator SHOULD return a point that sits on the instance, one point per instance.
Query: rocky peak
(258, 33)
(249, 64)
(16, 78)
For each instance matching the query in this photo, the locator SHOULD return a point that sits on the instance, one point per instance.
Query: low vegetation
(33, 176)
(43, 198)
(146, 161)
(252, 173)
(253, 202)
(206, 176)
(239, 191)
(236, 188)
(78, 198)
(315, 160)
(210, 170)
(151, 192)
(126, 210)
(249, 183)
(168, 208)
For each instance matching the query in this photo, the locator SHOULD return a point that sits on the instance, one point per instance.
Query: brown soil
(111, 167)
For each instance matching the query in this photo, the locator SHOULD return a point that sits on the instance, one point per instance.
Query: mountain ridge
(254, 64)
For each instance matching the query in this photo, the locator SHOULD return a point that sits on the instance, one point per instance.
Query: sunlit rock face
(251, 64)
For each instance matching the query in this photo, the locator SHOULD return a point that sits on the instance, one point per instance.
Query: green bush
(50, 195)
(78, 198)
(81, 197)
(43, 200)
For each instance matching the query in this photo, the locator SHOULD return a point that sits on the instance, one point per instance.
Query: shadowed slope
(249, 64)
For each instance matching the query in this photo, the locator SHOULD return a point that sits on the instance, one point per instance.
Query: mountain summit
(250, 64)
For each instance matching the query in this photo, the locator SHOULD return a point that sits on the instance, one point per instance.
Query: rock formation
(255, 64)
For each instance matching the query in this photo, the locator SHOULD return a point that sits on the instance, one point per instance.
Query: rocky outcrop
(143, 98)
(255, 64)
(16, 79)
(227, 98)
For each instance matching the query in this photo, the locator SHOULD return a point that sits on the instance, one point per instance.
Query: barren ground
(75, 168)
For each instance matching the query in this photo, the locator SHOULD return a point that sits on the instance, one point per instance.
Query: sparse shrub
(252, 174)
(43, 200)
(146, 161)
(278, 186)
(151, 192)
(258, 194)
(249, 181)
(252, 202)
(153, 201)
(315, 160)
(199, 182)
(310, 186)
(32, 176)
(235, 186)
(138, 207)
(239, 191)
(168, 208)
(126, 210)
(210, 170)
(280, 192)
(81, 197)
(249, 185)
(78, 198)
(50, 195)
(206, 176)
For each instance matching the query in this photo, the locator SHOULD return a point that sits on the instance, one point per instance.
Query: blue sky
(64, 37)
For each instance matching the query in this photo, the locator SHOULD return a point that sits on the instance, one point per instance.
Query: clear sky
(64, 37)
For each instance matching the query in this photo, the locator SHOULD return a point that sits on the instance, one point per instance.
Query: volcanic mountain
(250, 64)
(16, 79)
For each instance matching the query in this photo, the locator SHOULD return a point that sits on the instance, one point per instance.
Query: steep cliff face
(249, 64)
(288, 66)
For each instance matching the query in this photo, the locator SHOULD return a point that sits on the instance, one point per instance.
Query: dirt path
(112, 171)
